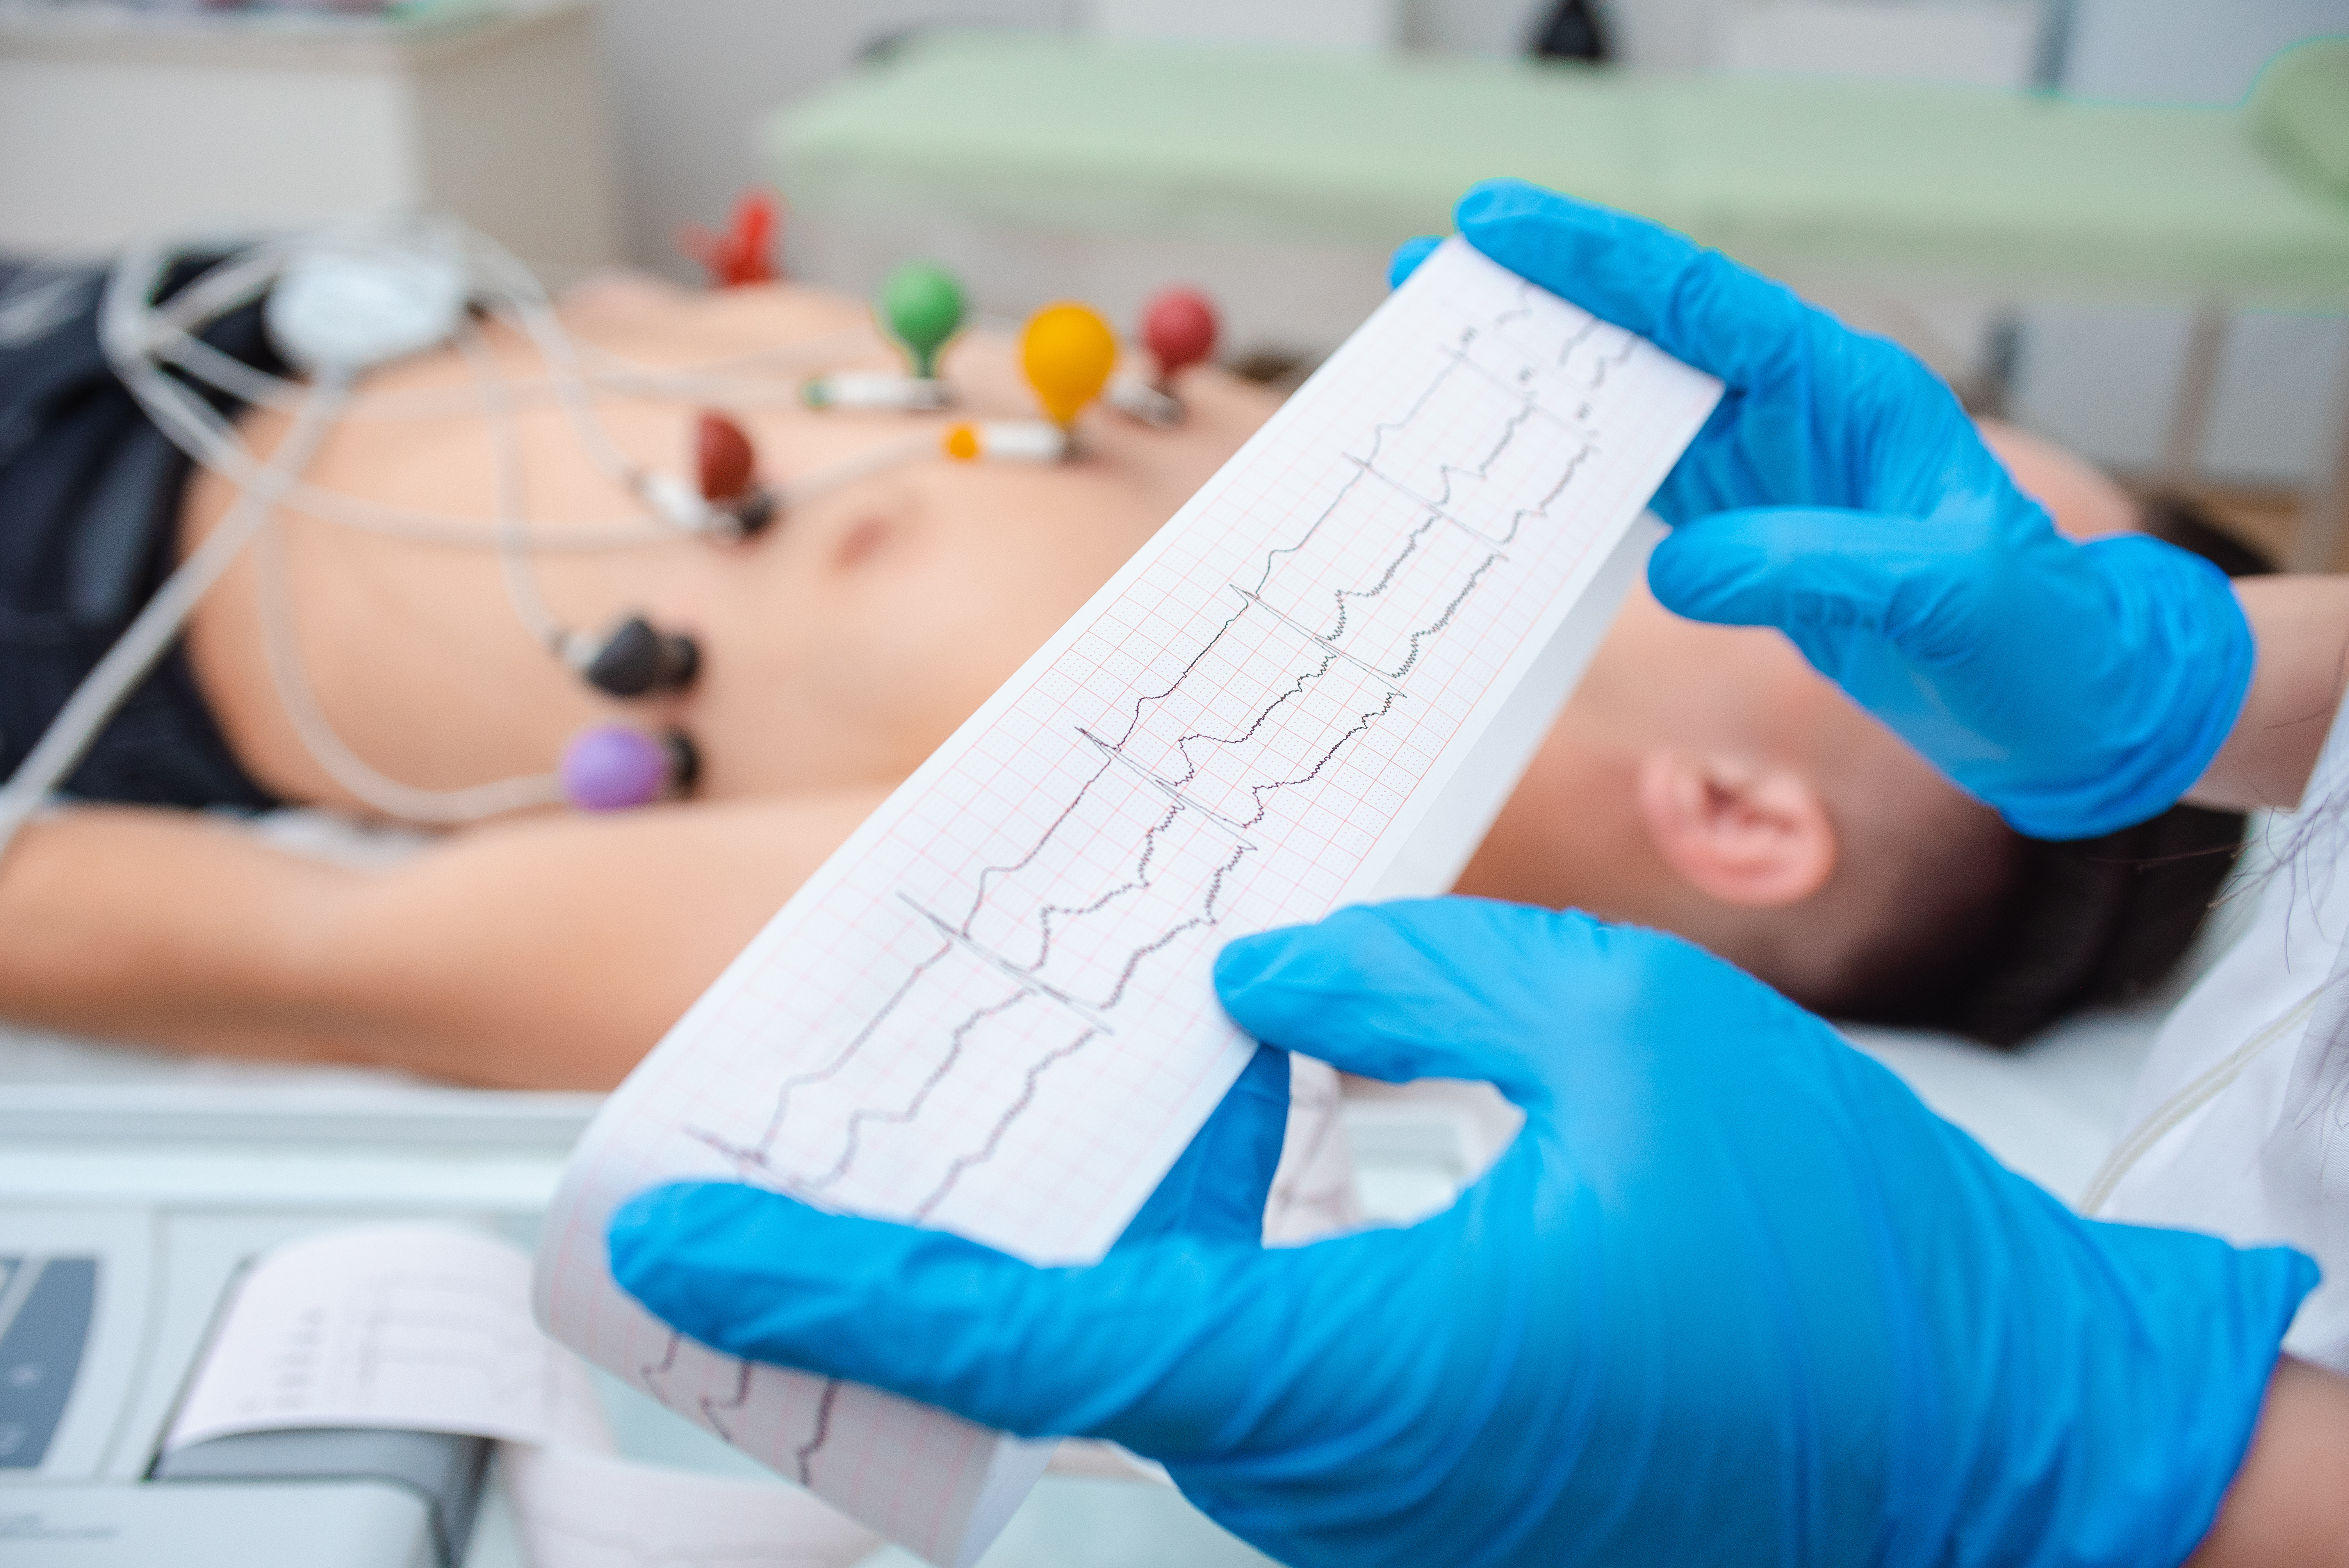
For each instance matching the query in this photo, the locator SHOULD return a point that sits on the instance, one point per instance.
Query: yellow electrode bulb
(1066, 352)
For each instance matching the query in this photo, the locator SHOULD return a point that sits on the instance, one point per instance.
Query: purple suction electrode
(612, 768)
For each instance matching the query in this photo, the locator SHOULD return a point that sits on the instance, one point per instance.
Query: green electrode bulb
(922, 305)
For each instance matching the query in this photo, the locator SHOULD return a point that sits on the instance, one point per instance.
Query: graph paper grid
(992, 1010)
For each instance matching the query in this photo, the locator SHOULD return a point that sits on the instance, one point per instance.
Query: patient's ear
(1744, 833)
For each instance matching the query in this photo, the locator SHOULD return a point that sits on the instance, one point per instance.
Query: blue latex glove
(1733, 1295)
(1217, 1189)
(1840, 494)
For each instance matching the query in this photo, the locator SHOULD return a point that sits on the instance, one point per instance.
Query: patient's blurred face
(1707, 780)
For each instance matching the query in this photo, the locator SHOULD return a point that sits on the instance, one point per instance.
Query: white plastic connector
(1134, 397)
(1007, 440)
(337, 304)
(674, 501)
(873, 389)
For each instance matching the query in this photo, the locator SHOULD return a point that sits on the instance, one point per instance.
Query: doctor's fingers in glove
(1385, 1397)
(1391, 1397)
(1217, 1189)
(1137, 1347)
(1781, 1312)
(2076, 687)
(1733, 1295)
(1812, 412)
(1543, 1373)
(1162, 1344)
(737, 1266)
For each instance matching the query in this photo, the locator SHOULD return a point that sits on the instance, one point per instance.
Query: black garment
(89, 507)
(1572, 31)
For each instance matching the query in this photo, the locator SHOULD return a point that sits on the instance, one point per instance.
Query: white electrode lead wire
(211, 442)
(511, 501)
(129, 328)
(522, 295)
(137, 335)
(281, 642)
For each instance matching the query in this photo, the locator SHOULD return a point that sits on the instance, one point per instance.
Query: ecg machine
(103, 1313)
(126, 1215)
(128, 1210)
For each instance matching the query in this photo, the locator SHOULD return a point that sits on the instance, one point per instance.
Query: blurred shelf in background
(117, 121)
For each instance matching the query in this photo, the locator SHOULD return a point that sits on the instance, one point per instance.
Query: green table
(2007, 191)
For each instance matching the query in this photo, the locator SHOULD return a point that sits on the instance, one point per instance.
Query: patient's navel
(886, 517)
(861, 540)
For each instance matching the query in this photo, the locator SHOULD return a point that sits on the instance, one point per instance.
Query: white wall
(691, 78)
(1351, 25)
(1492, 28)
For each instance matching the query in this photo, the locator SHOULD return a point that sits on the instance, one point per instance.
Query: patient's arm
(548, 954)
(2303, 625)
(2286, 1508)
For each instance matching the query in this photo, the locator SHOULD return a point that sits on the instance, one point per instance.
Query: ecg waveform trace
(993, 1010)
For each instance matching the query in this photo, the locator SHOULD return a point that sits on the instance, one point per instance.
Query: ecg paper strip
(427, 1328)
(992, 1011)
(420, 1327)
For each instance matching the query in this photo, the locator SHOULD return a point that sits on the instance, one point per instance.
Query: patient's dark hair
(2033, 930)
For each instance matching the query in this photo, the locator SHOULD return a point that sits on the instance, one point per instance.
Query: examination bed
(2006, 196)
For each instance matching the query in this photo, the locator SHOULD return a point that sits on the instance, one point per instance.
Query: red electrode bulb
(1179, 327)
(745, 252)
(723, 459)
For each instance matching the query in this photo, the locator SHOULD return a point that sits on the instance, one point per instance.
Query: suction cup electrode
(1066, 353)
(922, 305)
(1179, 329)
(725, 471)
(612, 768)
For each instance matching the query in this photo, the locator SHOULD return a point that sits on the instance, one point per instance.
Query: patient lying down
(1703, 780)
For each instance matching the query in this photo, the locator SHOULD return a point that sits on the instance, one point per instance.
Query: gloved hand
(1840, 494)
(1217, 1189)
(1733, 1295)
